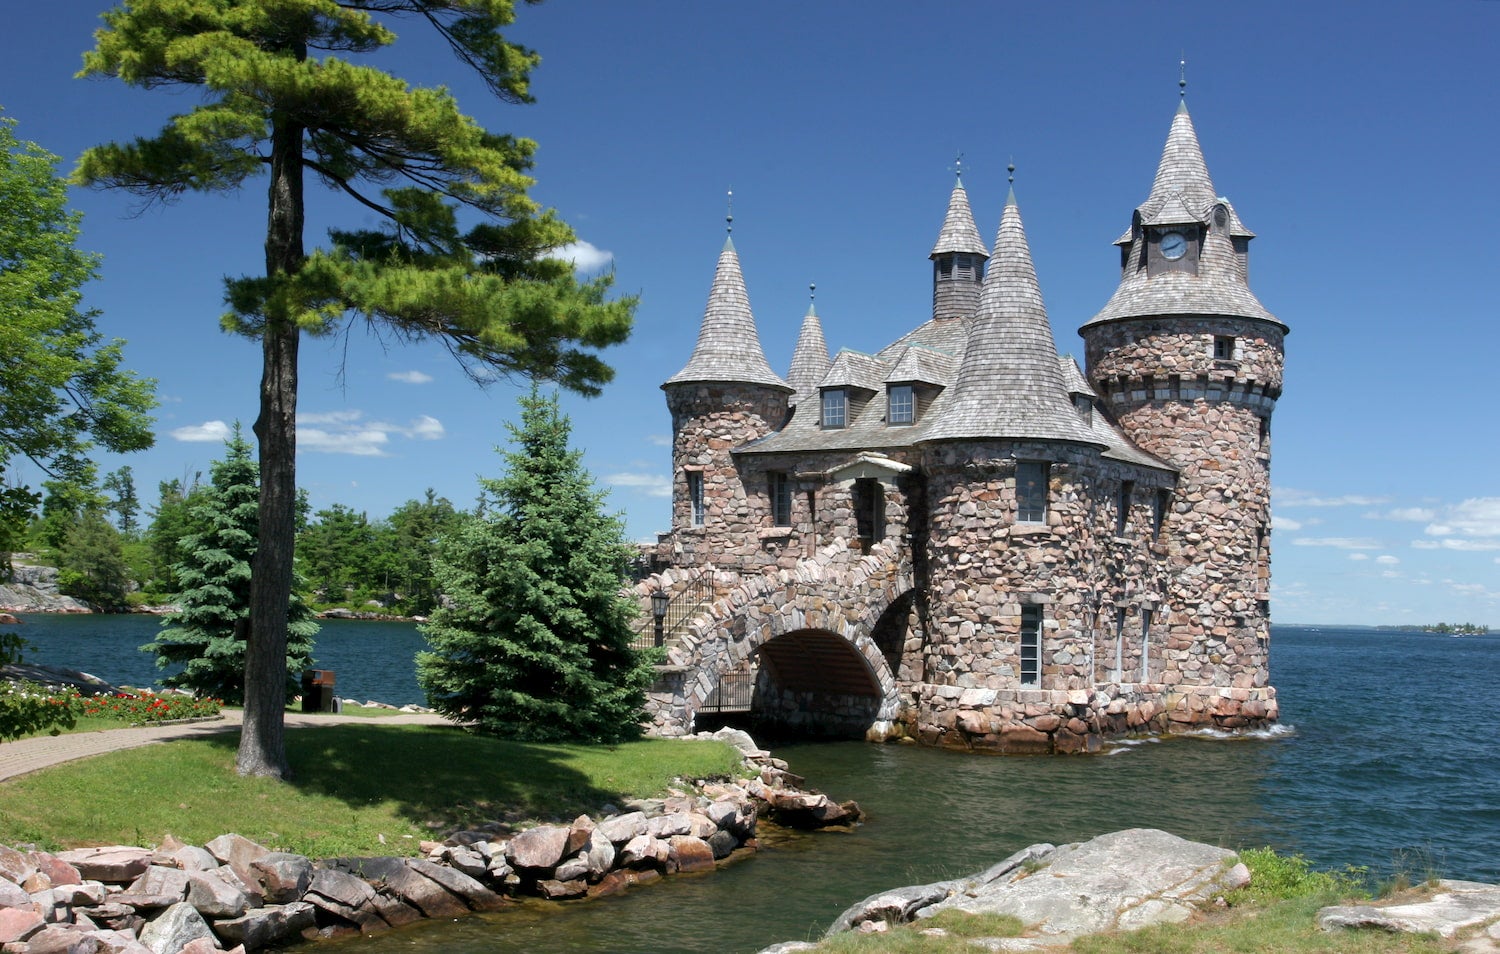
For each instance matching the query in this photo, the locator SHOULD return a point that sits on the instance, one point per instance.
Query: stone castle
(967, 539)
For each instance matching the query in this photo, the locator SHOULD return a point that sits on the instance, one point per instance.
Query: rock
(537, 848)
(572, 869)
(578, 835)
(690, 853)
(622, 828)
(471, 892)
(18, 924)
(168, 882)
(262, 927)
(280, 877)
(189, 858)
(1455, 905)
(239, 853)
(599, 853)
(59, 872)
(15, 866)
(555, 890)
(346, 897)
(171, 931)
(62, 939)
(723, 844)
(120, 942)
(638, 851)
(114, 864)
(396, 877)
(217, 893)
(12, 895)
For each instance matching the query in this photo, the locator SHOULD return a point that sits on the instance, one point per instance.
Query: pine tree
(207, 636)
(533, 641)
(292, 89)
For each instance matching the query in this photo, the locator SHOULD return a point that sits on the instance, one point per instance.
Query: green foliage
(1277, 877)
(172, 522)
(27, 708)
(534, 642)
(92, 566)
(11, 645)
(207, 638)
(138, 708)
(120, 484)
(345, 556)
(64, 388)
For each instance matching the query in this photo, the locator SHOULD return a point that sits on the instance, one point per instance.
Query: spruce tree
(534, 639)
(207, 636)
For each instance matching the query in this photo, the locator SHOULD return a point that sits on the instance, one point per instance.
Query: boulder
(395, 877)
(475, 895)
(188, 858)
(61, 939)
(15, 866)
(690, 853)
(59, 872)
(571, 869)
(168, 882)
(622, 828)
(171, 931)
(554, 890)
(113, 864)
(12, 895)
(217, 893)
(18, 924)
(599, 853)
(280, 877)
(1452, 907)
(346, 897)
(238, 852)
(262, 927)
(119, 942)
(578, 835)
(538, 848)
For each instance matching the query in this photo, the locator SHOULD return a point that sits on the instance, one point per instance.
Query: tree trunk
(263, 738)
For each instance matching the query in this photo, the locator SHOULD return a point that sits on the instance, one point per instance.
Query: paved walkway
(30, 755)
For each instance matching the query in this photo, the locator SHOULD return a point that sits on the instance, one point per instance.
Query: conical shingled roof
(1183, 194)
(728, 348)
(810, 359)
(959, 233)
(1011, 383)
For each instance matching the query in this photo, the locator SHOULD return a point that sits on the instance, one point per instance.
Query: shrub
(1275, 877)
(140, 707)
(27, 708)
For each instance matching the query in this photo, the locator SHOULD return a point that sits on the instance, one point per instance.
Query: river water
(1388, 757)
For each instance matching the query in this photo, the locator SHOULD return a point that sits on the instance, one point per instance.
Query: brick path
(30, 755)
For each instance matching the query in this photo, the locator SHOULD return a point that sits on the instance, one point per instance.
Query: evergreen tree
(533, 641)
(123, 501)
(207, 637)
(286, 89)
(91, 563)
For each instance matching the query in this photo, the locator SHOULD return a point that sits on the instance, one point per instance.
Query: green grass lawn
(358, 788)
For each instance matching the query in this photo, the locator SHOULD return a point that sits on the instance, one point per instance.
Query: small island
(1443, 629)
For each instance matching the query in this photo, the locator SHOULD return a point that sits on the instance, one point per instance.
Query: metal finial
(812, 291)
(1011, 172)
(1182, 77)
(958, 165)
(729, 216)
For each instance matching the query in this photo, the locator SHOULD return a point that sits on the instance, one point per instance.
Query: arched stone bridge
(824, 641)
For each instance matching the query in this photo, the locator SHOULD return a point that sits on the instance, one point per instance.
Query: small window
(1122, 507)
(869, 510)
(1031, 491)
(1145, 645)
(1031, 645)
(900, 408)
(1119, 644)
(945, 266)
(781, 499)
(965, 266)
(695, 496)
(1084, 405)
(1223, 347)
(835, 407)
(1159, 504)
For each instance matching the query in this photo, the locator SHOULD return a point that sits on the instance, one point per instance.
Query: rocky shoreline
(233, 894)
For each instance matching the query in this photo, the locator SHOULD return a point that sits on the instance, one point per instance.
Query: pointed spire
(728, 348)
(959, 233)
(1182, 182)
(1010, 384)
(810, 361)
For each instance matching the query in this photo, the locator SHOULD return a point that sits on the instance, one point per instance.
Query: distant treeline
(1446, 629)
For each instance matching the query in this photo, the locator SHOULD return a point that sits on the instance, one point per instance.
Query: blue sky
(1359, 141)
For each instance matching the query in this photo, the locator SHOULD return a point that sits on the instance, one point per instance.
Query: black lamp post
(659, 601)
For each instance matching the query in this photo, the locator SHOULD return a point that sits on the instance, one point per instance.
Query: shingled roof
(728, 348)
(1010, 384)
(810, 358)
(959, 233)
(1183, 194)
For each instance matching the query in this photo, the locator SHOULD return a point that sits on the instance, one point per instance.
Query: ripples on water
(1387, 757)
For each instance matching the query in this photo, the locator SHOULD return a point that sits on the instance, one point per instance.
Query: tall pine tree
(533, 641)
(207, 637)
(286, 88)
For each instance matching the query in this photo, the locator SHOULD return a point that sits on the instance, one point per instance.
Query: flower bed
(27, 708)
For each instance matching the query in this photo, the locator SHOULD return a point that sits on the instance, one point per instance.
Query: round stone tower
(726, 396)
(1189, 363)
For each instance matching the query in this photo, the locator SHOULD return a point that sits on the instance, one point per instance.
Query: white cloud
(1278, 522)
(1387, 560)
(1413, 514)
(1303, 498)
(659, 440)
(215, 431)
(586, 258)
(1457, 544)
(653, 485)
(1475, 517)
(409, 377)
(1359, 556)
(345, 432)
(1391, 575)
(1338, 543)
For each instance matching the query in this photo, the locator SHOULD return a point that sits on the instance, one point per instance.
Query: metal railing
(682, 608)
(734, 693)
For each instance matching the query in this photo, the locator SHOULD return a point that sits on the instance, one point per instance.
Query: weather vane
(1182, 77)
(729, 216)
(1010, 171)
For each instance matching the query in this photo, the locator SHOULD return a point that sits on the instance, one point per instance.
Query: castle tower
(810, 361)
(726, 396)
(1189, 363)
(957, 259)
(1009, 468)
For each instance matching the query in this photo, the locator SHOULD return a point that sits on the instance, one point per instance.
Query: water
(1388, 757)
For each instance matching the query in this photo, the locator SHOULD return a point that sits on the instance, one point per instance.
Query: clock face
(1173, 246)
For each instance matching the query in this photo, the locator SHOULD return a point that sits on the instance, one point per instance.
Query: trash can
(317, 691)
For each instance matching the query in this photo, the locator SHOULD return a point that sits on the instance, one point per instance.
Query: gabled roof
(1010, 384)
(854, 369)
(959, 233)
(1073, 378)
(919, 365)
(810, 361)
(728, 348)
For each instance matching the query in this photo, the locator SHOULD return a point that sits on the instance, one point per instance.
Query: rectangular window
(1122, 507)
(1031, 491)
(1119, 644)
(1031, 645)
(1159, 505)
(695, 496)
(781, 499)
(835, 407)
(1145, 645)
(900, 407)
(1223, 348)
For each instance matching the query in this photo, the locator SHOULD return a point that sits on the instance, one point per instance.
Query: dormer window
(1084, 405)
(901, 407)
(835, 408)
